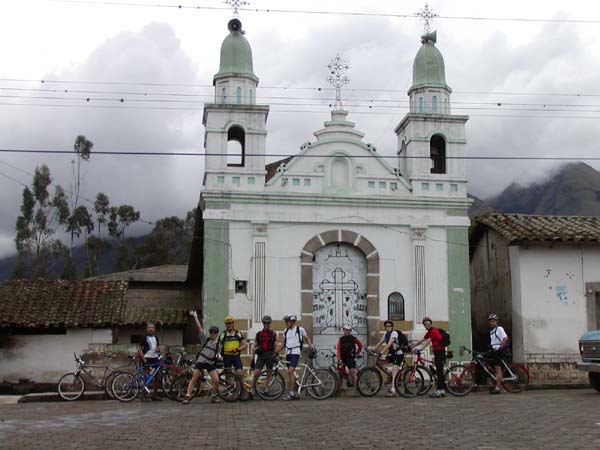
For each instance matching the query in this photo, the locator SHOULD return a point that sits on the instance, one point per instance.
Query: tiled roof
(166, 273)
(46, 303)
(272, 167)
(92, 303)
(523, 227)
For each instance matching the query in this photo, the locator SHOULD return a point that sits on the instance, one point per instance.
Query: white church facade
(336, 234)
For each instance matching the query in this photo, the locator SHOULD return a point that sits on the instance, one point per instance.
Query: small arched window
(395, 306)
(224, 95)
(421, 105)
(437, 153)
(434, 106)
(238, 95)
(236, 147)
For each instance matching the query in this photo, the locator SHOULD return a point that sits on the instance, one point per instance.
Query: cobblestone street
(565, 419)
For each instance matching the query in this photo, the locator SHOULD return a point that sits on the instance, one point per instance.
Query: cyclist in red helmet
(434, 337)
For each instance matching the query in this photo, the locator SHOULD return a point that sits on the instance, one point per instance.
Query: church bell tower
(235, 126)
(431, 140)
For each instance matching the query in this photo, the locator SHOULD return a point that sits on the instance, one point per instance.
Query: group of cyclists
(228, 345)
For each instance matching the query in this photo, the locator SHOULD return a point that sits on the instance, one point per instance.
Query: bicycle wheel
(325, 382)
(409, 382)
(428, 380)
(179, 387)
(269, 389)
(126, 386)
(460, 380)
(369, 381)
(522, 378)
(71, 386)
(230, 386)
(166, 381)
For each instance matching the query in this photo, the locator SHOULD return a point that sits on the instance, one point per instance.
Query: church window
(437, 153)
(238, 95)
(439, 187)
(425, 186)
(251, 180)
(235, 181)
(236, 147)
(395, 306)
(453, 188)
(307, 182)
(382, 185)
(295, 181)
(224, 95)
(371, 185)
(284, 181)
(434, 107)
(394, 186)
(421, 105)
(220, 179)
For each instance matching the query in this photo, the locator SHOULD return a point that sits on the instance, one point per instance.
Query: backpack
(299, 338)
(400, 344)
(223, 338)
(445, 337)
(271, 341)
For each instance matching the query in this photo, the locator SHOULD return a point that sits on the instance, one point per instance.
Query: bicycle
(515, 376)
(71, 386)
(456, 375)
(229, 389)
(318, 383)
(172, 371)
(370, 379)
(127, 386)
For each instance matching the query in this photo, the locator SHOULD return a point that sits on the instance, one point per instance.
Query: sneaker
(437, 394)
(215, 399)
(391, 393)
(295, 396)
(495, 391)
(288, 396)
(185, 401)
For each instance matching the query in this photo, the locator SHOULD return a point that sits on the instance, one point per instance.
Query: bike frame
(480, 361)
(284, 365)
(84, 368)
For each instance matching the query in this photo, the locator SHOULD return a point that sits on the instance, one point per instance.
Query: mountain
(573, 190)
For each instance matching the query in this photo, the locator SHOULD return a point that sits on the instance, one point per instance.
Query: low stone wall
(555, 369)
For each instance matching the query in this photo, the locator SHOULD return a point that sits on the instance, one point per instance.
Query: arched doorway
(340, 295)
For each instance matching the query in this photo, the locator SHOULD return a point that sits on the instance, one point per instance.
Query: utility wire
(66, 190)
(286, 88)
(147, 153)
(325, 12)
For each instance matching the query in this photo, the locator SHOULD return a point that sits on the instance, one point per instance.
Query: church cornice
(273, 198)
(422, 117)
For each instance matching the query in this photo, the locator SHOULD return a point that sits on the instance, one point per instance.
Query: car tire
(595, 380)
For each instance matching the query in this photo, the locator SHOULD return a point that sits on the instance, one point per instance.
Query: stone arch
(306, 285)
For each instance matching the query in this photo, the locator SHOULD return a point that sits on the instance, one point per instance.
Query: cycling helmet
(267, 319)
(228, 319)
(286, 318)
(493, 316)
(292, 317)
(213, 329)
(347, 327)
(426, 319)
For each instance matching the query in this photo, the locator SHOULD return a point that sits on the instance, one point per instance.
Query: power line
(147, 153)
(66, 190)
(289, 88)
(326, 12)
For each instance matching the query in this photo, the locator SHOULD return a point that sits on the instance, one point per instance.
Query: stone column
(420, 300)
(259, 280)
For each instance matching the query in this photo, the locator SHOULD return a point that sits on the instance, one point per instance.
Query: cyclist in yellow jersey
(233, 344)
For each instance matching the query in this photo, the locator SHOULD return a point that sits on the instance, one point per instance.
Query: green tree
(121, 218)
(102, 209)
(96, 248)
(41, 215)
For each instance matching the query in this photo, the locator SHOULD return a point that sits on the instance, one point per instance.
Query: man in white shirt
(293, 339)
(149, 353)
(498, 347)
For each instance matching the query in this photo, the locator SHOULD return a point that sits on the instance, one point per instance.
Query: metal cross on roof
(337, 78)
(426, 15)
(236, 5)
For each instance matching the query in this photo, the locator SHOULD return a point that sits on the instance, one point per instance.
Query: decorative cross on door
(339, 301)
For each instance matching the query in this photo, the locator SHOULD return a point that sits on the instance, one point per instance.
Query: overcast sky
(55, 40)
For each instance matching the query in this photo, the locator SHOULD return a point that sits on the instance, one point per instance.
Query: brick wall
(555, 369)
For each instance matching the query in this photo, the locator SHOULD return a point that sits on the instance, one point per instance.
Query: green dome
(236, 54)
(428, 68)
